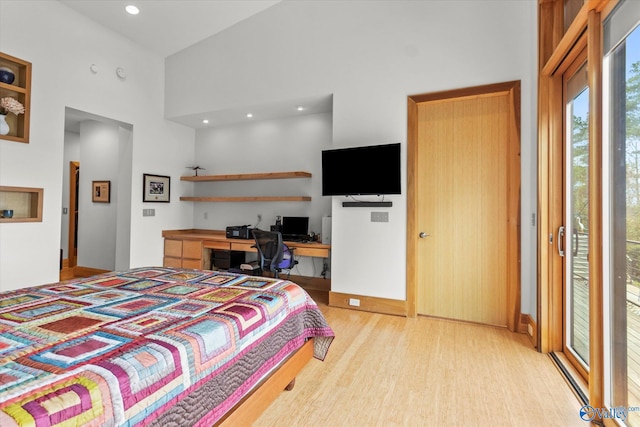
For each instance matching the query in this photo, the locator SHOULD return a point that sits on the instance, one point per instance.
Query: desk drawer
(245, 246)
(212, 244)
(191, 263)
(172, 262)
(307, 251)
(173, 248)
(192, 249)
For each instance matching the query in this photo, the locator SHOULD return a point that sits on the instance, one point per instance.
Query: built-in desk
(192, 249)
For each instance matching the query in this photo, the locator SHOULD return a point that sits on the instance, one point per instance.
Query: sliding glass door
(574, 234)
(621, 102)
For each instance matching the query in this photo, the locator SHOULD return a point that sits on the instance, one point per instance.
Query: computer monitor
(295, 227)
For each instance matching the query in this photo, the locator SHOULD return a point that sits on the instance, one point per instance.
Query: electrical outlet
(259, 218)
(206, 215)
(355, 302)
(379, 216)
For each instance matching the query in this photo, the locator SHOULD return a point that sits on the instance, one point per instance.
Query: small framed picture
(156, 188)
(101, 192)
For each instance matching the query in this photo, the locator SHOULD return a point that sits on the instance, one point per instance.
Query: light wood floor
(385, 370)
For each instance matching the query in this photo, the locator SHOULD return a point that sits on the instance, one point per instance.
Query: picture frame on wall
(156, 188)
(101, 191)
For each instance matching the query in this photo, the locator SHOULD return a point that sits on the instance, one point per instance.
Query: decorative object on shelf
(101, 192)
(7, 213)
(4, 126)
(156, 188)
(15, 92)
(8, 105)
(11, 105)
(6, 75)
(195, 169)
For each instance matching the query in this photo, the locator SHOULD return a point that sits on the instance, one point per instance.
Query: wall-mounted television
(368, 170)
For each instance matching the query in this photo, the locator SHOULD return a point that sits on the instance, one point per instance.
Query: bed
(153, 347)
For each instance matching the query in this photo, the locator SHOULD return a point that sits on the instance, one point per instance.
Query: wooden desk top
(220, 236)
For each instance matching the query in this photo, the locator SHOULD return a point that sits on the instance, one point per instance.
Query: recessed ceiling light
(249, 115)
(299, 108)
(205, 121)
(132, 10)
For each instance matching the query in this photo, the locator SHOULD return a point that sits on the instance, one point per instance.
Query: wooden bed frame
(249, 409)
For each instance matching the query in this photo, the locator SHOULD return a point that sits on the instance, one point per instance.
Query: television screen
(369, 170)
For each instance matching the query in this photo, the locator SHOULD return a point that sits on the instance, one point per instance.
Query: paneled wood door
(466, 195)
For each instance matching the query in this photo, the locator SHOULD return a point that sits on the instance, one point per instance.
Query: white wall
(71, 153)
(370, 56)
(61, 45)
(97, 225)
(287, 144)
(123, 214)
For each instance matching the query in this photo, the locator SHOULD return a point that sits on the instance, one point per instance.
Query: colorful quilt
(149, 346)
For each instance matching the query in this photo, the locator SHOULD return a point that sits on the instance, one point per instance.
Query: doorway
(95, 235)
(74, 187)
(463, 205)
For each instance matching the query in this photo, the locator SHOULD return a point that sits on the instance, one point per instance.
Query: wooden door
(466, 209)
(74, 185)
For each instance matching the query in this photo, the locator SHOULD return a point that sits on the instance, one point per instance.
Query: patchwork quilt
(148, 346)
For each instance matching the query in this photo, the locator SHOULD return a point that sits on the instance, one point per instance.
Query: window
(621, 141)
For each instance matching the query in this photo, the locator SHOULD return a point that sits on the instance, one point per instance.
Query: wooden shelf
(248, 199)
(20, 89)
(12, 88)
(247, 176)
(25, 202)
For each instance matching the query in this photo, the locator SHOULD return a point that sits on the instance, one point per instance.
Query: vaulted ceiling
(168, 26)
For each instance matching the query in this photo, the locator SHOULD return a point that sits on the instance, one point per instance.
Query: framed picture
(101, 191)
(156, 188)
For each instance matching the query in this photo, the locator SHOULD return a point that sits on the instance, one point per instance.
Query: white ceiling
(273, 110)
(168, 26)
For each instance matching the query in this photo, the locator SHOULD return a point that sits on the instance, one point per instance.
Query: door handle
(422, 235)
(560, 239)
(576, 244)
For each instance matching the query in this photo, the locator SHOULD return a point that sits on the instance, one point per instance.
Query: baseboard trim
(371, 304)
(312, 283)
(87, 271)
(523, 324)
(528, 326)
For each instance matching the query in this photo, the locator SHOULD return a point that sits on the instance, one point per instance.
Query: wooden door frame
(73, 166)
(511, 88)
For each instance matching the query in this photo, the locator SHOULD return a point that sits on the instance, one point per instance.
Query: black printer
(239, 232)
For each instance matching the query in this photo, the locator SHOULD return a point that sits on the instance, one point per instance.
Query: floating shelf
(247, 176)
(248, 199)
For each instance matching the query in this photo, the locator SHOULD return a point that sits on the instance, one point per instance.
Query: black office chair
(275, 256)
